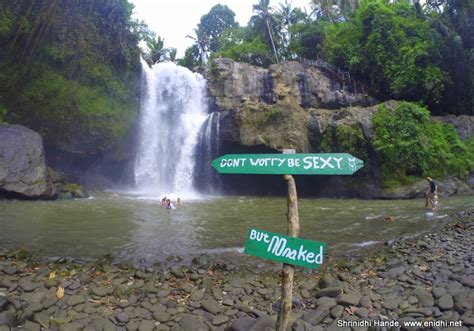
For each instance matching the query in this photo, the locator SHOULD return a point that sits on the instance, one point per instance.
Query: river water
(130, 227)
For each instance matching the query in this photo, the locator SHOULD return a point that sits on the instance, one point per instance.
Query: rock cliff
(292, 105)
(23, 170)
(286, 106)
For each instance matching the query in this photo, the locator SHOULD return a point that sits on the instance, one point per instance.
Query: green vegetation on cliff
(421, 51)
(70, 70)
(410, 146)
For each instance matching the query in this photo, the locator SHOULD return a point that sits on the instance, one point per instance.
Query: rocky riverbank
(427, 279)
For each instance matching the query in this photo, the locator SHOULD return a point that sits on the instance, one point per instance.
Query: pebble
(365, 302)
(30, 326)
(329, 292)
(197, 295)
(327, 281)
(316, 316)
(362, 312)
(212, 306)
(101, 291)
(391, 304)
(122, 318)
(191, 323)
(326, 301)
(446, 302)
(425, 298)
(75, 300)
(220, 319)
(146, 325)
(337, 311)
(162, 316)
(438, 291)
(349, 300)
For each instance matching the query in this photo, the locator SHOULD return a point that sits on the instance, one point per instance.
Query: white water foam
(366, 243)
(172, 111)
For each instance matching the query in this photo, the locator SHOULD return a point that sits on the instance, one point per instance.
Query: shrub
(410, 146)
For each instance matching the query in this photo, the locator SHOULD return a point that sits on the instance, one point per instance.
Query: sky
(174, 19)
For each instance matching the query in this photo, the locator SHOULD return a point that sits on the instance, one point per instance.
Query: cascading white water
(172, 112)
(209, 148)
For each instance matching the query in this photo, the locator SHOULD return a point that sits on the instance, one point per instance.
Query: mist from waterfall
(172, 112)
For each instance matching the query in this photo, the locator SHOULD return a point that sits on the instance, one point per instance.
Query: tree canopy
(70, 69)
(401, 49)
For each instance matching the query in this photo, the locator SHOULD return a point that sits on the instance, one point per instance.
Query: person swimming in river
(163, 201)
(169, 205)
(431, 195)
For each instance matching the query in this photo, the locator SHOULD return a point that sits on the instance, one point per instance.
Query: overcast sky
(174, 19)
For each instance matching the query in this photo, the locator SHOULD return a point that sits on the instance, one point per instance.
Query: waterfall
(172, 111)
(207, 179)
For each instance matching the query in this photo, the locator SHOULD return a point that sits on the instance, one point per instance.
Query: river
(131, 227)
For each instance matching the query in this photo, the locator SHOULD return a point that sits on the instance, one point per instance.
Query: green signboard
(285, 249)
(288, 164)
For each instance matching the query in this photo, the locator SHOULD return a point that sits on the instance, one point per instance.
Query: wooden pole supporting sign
(288, 249)
(288, 269)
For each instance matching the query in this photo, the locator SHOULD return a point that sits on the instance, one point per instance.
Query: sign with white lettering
(288, 164)
(285, 249)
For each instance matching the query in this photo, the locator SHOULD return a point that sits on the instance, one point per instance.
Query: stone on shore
(349, 299)
(193, 323)
(446, 302)
(212, 306)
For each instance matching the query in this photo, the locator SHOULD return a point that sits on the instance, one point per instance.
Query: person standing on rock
(431, 194)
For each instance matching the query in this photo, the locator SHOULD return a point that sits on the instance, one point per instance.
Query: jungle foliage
(70, 69)
(410, 145)
(403, 50)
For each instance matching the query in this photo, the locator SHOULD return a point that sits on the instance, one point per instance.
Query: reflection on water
(132, 227)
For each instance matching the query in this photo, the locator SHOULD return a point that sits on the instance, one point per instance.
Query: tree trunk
(271, 39)
(288, 270)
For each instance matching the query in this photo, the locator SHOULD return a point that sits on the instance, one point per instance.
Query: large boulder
(23, 170)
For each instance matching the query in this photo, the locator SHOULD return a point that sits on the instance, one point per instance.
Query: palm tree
(285, 18)
(347, 6)
(172, 52)
(263, 12)
(285, 13)
(156, 50)
(201, 40)
(435, 5)
(332, 9)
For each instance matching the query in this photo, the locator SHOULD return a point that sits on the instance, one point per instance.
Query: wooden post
(288, 270)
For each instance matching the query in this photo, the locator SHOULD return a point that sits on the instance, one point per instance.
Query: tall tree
(214, 23)
(332, 10)
(191, 58)
(201, 40)
(263, 13)
(284, 16)
(172, 52)
(389, 47)
(156, 50)
(70, 69)
(241, 44)
(454, 28)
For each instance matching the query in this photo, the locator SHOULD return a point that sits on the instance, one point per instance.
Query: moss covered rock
(72, 191)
